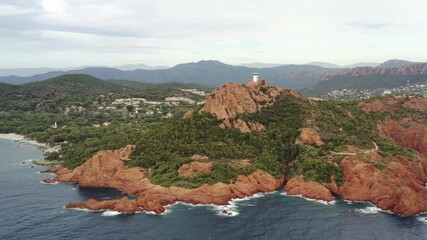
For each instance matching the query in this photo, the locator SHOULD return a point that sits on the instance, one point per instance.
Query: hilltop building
(255, 81)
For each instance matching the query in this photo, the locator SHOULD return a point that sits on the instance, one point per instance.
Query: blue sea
(30, 209)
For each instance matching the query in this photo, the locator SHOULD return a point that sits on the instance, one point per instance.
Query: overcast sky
(63, 33)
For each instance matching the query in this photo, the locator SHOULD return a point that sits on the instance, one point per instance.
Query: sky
(66, 33)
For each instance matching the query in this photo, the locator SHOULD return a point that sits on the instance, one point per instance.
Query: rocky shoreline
(402, 192)
(107, 169)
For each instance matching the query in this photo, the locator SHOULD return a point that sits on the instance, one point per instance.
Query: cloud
(166, 32)
(372, 25)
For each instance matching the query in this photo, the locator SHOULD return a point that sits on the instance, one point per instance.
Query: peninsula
(254, 137)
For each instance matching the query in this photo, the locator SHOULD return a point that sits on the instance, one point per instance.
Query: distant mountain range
(369, 78)
(331, 65)
(27, 72)
(210, 73)
(316, 75)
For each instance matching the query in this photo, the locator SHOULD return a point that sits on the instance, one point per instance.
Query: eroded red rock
(49, 180)
(107, 169)
(400, 187)
(308, 189)
(309, 136)
(194, 168)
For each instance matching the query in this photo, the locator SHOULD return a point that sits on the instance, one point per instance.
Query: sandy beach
(21, 138)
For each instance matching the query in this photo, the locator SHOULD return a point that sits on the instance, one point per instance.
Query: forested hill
(53, 95)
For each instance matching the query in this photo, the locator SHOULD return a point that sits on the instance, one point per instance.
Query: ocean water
(32, 210)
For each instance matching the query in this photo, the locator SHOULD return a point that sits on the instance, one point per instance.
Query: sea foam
(110, 213)
(229, 210)
(372, 209)
(310, 199)
(422, 219)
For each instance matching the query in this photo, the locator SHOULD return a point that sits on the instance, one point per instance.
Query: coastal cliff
(397, 184)
(107, 169)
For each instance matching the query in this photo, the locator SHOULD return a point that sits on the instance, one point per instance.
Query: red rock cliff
(107, 169)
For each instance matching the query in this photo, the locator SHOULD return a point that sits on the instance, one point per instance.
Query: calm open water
(32, 210)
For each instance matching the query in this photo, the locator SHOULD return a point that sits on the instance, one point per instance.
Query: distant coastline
(21, 138)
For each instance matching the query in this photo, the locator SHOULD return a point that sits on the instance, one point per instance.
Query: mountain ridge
(213, 73)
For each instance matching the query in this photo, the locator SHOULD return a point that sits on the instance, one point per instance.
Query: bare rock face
(308, 189)
(100, 170)
(233, 99)
(199, 157)
(407, 134)
(390, 105)
(309, 136)
(188, 113)
(400, 187)
(194, 168)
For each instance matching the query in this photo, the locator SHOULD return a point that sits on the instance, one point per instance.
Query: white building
(255, 77)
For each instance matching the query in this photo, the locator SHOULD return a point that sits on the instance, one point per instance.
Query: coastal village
(143, 107)
(354, 94)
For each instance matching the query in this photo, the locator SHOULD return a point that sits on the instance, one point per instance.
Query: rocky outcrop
(49, 181)
(398, 187)
(234, 99)
(107, 169)
(308, 189)
(194, 168)
(124, 205)
(392, 105)
(199, 157)
(243, 126)
(309, 136)
(406, 133)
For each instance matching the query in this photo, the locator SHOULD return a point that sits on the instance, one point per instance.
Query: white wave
(226, 210)
(73, 188)
(84, 209)
(110, 213)
(28, 162)
(49, 183)
(229, 210)
(310, 199)
(369, 210)
(39, 172)
(257, 195)
(422, 219)
(167, 211)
